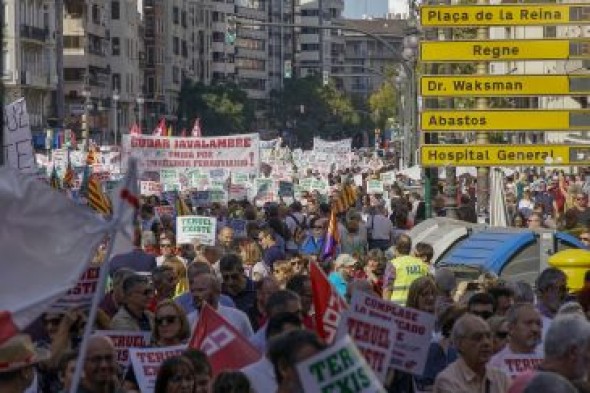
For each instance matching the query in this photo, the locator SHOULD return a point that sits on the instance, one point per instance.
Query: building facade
(29, 57)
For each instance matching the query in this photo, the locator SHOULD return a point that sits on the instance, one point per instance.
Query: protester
(254, 267)
(343, 273)
(264, 289)
(203, 372)
(422, 294)
(226, 241)
(100, 367)
(469, 373)
(231, 382)
(235, 283)
(272, 252)
(283, 270)
(175, 375)
(171, 324)
(18, 357)
(286, 351)
(165, 281)
(301, 285)
(481, 304)
(548, 382)
(313, 244)
(111, 302)
(206, 289)
(552, 291)
(136, 260)
(133, 314)
(186, 300)
(503, 298)
(261, 374)
(499, 327)
(380, 233)
(402, 271)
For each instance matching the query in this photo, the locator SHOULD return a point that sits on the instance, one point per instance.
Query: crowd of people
(259, 282)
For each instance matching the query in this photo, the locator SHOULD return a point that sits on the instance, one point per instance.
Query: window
(74, 74)
(175, 45)
(95, 14)
(115, 10)
(183, 18)
(184, 49)
(175, 15)
(175, 75)
(116, 82)
(116, 46)
(73, 41)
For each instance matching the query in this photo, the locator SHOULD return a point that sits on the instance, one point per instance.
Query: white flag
(197, 132)
(47, 242)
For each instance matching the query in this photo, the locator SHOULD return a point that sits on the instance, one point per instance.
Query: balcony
(34, 33)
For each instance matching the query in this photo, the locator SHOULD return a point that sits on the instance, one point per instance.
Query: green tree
(383, 104)
(224, 109)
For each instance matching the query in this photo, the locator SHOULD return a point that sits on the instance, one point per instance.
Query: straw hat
(19, 352)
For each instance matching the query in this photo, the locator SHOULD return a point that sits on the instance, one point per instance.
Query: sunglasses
(585, 239)
(502, 335)
(166, 320)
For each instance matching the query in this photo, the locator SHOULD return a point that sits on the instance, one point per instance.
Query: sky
(355, 9)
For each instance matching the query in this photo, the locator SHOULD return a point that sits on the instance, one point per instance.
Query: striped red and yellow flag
(96, 198)
(69, 176)
(181, 207)
(91, 157)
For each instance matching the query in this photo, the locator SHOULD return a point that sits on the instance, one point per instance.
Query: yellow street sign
(504, 155)
(504, 50)
(503, 85)
(505, 120)
(504, 15)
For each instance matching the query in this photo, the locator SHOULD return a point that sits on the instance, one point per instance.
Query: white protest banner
(149, 188)
(189, 228)
(358, 180)
(146, 363)
(17, 144)
(169, 176)
(373, 336)
(375, 187)
(337, 148)
(81, 295)
(234, 153)
(413, 331)
(388, 178)
(124, 340)
(339, 368)
(237, 192)
(198, 179)
(306, 183)
(320, 185)
(239, 178)
(515, 364)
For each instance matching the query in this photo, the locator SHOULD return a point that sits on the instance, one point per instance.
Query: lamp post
(116, 98)
(85, 126)
(140, 101)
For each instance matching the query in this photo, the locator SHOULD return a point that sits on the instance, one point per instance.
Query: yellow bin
(574, 262)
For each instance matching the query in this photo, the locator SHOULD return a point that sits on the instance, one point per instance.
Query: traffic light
(231, 30)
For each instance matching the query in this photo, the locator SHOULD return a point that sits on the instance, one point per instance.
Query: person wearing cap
(17, 358)
(343, 273)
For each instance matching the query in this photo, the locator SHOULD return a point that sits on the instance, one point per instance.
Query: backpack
(299, 233)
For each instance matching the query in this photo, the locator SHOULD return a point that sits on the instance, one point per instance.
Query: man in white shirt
(524, 332)
(206, 288)
(262, 374)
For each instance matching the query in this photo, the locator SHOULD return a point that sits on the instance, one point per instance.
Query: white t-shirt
(238, 319)
(261, 376)
(513, 364)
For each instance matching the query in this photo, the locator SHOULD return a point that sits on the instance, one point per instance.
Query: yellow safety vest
(407, 269)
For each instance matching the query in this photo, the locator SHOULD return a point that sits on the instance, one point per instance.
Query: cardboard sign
(124, 340)
(516, 364)
(413, 331)
(150, 188)
(197, 179)
(171, 187)
(169, 176)
(164, 210)
(373, 336)
(320, 185)
(240, 178)
(338, 148)
(358, 180)
(146, 364)
(189, 228)
(239, 227)
(339, 368)
(81, 295)
(224, 346)
(234, 153)
(237, 192)
(286, 189)
(388, 178)
(375, 187)
(17, 143)
(306, 183)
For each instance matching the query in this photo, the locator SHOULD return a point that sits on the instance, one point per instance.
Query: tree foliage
(224, 109)
(383, 104)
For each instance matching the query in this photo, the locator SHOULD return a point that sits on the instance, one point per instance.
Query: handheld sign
(375, 187)
(124, 340)
(339, 368)
(146, 363)
(373, 336)
(17, 143)
(149, 188)
(189, 228)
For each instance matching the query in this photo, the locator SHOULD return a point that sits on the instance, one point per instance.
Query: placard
(239, 227)
(375, 187)
(17, 144)
(388, 178)
(164, 210)
(373, 336)
(200, 228)
(124, 341)
(339, 368)
(146, 364)
(169, 176)
(198, 179)
(239, 178)
(149, 188)
(81, 295)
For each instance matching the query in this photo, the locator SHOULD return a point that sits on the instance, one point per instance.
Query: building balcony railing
(34, 33)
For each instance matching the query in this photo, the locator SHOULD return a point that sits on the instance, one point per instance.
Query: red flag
(225, 347)
(135, 130)
(197, 132)
(328, 304)
(160, 129)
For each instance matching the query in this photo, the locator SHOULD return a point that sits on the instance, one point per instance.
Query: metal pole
(482, 138)
(59, 63)
(2, 91)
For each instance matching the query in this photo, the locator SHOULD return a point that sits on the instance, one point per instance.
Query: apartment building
(126, 46)
(282, 42)
(87, 68)
(365, 59)
(223, 53)
(29, 57)
(200, 42)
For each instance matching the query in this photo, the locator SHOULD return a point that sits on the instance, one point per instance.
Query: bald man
(206, 289)
(100, 367)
